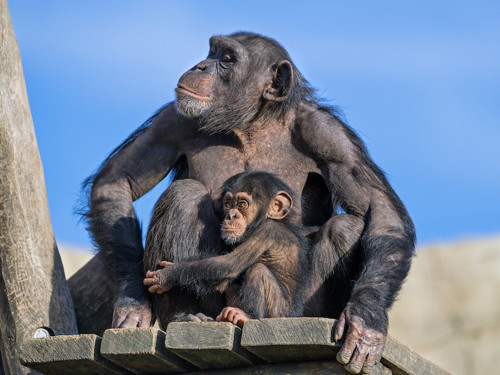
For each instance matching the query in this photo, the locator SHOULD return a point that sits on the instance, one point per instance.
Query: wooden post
(33, 289)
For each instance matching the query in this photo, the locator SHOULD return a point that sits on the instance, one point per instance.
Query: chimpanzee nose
(201, 66)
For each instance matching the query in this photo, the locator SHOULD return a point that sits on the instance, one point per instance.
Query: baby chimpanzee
(265, 273)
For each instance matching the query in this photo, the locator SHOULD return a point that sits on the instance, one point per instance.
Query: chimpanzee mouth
(183, 90)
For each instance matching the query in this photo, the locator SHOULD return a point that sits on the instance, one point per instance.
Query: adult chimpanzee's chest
(221, 157)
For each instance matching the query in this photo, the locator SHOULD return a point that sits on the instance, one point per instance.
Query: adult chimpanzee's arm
(215, 273)
(387, 241)
(138, 166)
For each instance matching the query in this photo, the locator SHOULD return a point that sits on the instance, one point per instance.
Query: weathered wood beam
(68, 355)
(301, 339)
(290, 339)
(404, 361)
(142, 351)
(208, 345)
(289, 345)
(33, 289)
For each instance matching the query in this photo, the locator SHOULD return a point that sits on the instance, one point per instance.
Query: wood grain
(68, 355)
(208, 345)
(142, 350)
(33, 289)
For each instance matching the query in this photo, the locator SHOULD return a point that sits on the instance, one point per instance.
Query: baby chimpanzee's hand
(159, 281)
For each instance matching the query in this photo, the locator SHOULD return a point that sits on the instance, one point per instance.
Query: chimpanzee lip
(183, 90)
(230, 229)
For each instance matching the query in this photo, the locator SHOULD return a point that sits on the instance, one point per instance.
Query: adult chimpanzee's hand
(159, 281)
(363, 346)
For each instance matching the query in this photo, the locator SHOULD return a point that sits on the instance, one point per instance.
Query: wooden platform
(267, 346)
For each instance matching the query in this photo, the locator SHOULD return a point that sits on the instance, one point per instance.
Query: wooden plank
(404, 361)
(300, 339)
(67, 355)
(142, 351)
(290, 339)
(331, 367)
(208, 345)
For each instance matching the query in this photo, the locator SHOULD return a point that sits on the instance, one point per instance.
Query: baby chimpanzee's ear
(280, 206)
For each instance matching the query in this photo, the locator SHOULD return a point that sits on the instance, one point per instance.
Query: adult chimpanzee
(266, 268)
(247, 107)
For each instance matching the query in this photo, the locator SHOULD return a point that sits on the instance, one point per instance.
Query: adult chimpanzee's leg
(183, 227)
(331, 260)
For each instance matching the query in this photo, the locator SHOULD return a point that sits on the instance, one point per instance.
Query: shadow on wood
(93, 293)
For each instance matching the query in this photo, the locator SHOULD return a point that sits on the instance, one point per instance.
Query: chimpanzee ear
(279, 87)
(280, 206)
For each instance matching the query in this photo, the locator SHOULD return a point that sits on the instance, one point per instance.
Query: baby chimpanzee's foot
(234, 315)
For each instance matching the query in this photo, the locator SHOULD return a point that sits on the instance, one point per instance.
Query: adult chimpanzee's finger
(339, 327)
(345, 353)
(357, 360)
(380, 350)
(164, 263)
(369, 364)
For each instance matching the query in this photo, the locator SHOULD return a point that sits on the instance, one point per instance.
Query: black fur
(361, 256)
(258, 262)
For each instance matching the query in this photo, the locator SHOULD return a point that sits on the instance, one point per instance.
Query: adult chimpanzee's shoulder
(324, 135)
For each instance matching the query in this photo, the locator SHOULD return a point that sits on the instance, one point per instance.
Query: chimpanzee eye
(227, 58)
(227, 205)
(243, 204)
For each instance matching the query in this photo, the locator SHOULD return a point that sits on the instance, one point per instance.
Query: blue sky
(419, 81)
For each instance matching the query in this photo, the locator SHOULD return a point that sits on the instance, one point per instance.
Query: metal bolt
(41, 333)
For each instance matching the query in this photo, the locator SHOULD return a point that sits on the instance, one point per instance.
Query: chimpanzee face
(240, 210)
(231, 87)
(211, 83)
